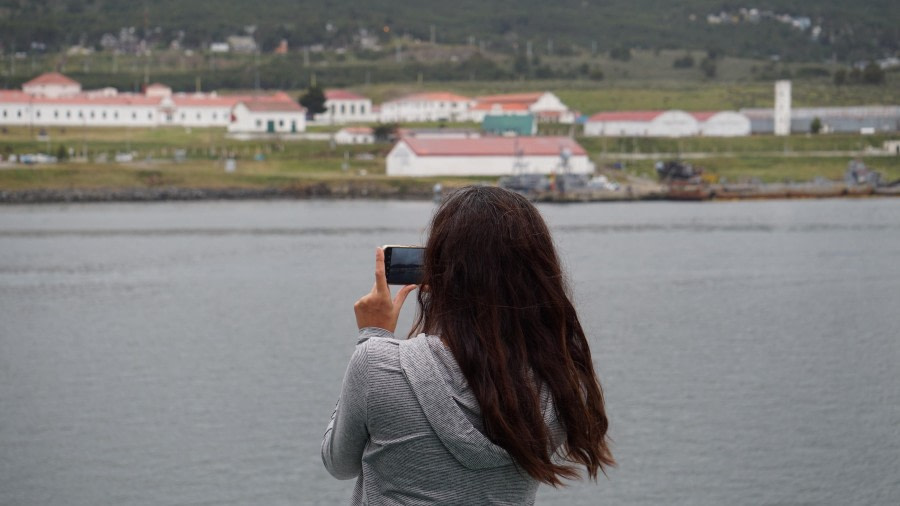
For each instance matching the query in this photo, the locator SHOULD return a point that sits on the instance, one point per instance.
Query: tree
(520, 64)
(314, 101)
(384, 132)
(873, 74)
(708, 67)
(62, 153)
(685, 62)
(840, 77)
(620, 53)
(816, 125)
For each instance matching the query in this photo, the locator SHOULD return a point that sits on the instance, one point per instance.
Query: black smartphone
(403, 264)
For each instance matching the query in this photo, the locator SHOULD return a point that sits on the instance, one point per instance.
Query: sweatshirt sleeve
(347, 433)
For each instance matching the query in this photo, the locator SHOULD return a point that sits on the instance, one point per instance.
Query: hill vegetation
(805, 31)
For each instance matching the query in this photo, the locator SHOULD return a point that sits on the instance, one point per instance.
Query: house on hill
(487, 156)
(56, 100)
(343, 106)
(354, 135)
(431, 106)
(52, 85)
(267, 116)
(544, 106)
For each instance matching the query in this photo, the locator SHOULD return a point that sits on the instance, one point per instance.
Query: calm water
(187, 354)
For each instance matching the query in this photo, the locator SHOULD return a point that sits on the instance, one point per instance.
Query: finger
(400, 298)
(381, 285)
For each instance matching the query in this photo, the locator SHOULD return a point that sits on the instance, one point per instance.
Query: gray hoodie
(408, 427)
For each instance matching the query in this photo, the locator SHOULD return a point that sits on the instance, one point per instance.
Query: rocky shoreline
(173, 193)
(418, 191)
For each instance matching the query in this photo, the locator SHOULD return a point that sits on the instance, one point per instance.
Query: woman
(495, 395)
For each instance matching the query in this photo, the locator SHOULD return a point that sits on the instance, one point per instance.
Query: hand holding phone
(376, 308)
(403, 265)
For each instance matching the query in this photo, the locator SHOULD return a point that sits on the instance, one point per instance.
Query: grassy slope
(290, 163)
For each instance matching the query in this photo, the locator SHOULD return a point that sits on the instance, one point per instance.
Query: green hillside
(848, 30)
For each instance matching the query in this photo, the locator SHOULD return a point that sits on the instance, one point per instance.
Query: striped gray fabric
(409, 429)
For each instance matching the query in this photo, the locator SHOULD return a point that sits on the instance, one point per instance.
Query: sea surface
(191, 353)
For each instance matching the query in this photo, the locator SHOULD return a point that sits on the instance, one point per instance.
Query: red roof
(122, 99)
(435, 96)
(512, 97)
(51, 78)
(493, 146)
(272, 105)
(626, 116)
(342, 95)
(703, 116)
(205, 100)
(500, 106)
(357, 130)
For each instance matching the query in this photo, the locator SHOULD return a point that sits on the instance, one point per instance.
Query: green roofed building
(519, 124)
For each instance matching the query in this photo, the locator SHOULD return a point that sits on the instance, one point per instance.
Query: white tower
(782, 108)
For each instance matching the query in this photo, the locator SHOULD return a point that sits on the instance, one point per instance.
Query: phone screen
(403, 264)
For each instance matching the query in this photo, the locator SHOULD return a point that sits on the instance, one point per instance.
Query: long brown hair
(496, 294)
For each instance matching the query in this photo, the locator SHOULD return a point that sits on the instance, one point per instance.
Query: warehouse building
(867, 119)
(487, 156)
(667, 124)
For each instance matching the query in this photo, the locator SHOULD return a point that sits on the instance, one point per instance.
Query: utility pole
(256, 66)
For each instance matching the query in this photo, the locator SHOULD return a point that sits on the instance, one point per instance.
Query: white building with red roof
(262, 115)
(667, 124)
(723, 124)
(344, 106)
(355, 135)
(53, 100)
(430, 106)
(52, 85)
(545, 106)
(487, 156)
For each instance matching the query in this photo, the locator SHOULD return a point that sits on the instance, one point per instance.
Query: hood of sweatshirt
(450, 405)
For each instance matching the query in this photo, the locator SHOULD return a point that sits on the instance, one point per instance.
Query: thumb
(400, 298)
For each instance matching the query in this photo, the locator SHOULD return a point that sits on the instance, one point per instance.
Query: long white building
(55, 100)
(343, 106)
(432, 106)
(667, 124)
(487, 156)
(544, 106)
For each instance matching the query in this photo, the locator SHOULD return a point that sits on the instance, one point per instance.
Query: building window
(342, 108)
(19, 113)
(68, 114)
(198, 115)
(133, 115)
(4, 113)
(150, 115)
(259, 123)
(92, 114)
(104, 114)
(37, 113)
(183, 115)
(215, 116)
(281, 122)
(55, 114)
(352, 108)
(116, 115)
